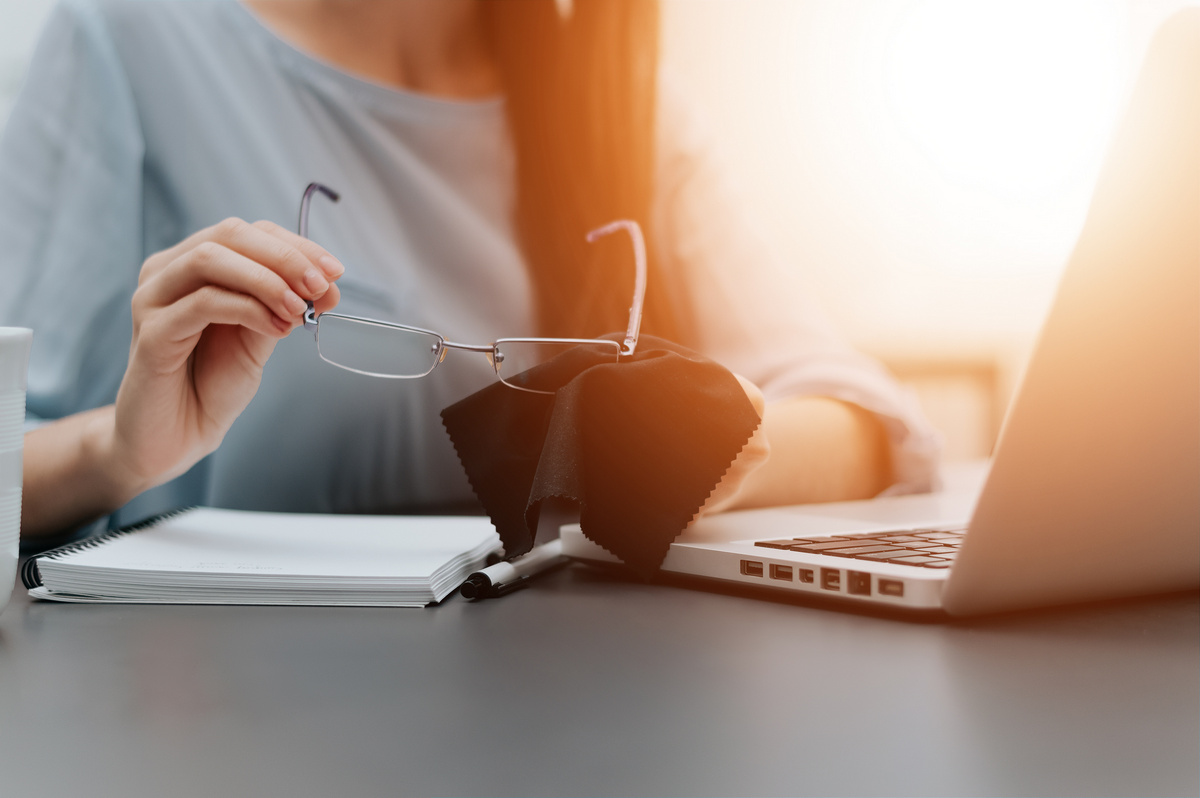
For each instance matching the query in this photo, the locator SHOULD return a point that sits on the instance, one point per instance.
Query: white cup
(14, 366)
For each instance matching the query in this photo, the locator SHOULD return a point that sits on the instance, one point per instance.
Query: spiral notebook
(205, 555)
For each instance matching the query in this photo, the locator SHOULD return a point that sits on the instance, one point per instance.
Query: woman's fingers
(304, 266)
(181, 322)
(328, 264)
(330, 300)
(169, 336)
(278, 268)
(212, 264)
(232, 228)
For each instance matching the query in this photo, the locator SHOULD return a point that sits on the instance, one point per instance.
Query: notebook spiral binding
(31, 577)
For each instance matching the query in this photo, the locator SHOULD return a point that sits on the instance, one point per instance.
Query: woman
(474, 144)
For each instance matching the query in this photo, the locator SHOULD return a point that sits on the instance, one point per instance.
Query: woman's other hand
(807, 449)
(753, 455)
(207, 314)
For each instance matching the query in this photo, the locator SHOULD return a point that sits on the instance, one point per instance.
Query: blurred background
(925, 165)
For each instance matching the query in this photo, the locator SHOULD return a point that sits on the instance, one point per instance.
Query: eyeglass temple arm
(639, 285)
(310, 316)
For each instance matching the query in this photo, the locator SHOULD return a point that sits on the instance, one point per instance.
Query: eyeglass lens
(385, 350)
(546, 366)
(380, 350)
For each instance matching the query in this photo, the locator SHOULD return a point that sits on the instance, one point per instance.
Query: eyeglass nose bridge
(490, 350)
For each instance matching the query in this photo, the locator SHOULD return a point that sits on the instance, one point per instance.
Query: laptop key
(862, 542)
(819, 547)
(857, 550)
(917, 560)
(886, 554)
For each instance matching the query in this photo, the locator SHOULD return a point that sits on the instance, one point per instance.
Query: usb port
(751, 568)
(831, 579)
(806, 576)
(858, 583)
(891, 587)
(783, 572)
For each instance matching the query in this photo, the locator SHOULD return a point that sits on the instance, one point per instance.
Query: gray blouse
(141, 122)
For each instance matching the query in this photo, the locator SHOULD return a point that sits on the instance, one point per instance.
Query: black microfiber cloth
(637, 445)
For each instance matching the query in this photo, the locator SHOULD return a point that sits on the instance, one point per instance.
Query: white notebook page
(214, 541)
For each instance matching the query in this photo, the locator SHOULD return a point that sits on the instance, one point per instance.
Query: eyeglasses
(401, 352)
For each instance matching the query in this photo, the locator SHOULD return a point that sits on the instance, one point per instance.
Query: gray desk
(588, 685)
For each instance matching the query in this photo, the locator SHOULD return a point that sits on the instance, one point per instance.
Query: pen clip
(505, 588)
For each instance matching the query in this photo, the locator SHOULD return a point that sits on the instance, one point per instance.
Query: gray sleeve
(752, 315)
(71, 214)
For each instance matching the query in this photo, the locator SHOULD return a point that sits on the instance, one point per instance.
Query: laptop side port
(891, 587)
(858, 583)
(752, 568)
(806, 575)
(783, 572)
(831, 579)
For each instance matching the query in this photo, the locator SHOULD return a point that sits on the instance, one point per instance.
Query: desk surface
(586, 685)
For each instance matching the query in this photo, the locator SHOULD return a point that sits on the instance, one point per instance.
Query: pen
(505, 577)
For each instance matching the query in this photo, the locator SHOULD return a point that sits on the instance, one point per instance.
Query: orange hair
(581, 94)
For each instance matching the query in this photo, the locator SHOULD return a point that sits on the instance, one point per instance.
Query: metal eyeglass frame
(492, 350)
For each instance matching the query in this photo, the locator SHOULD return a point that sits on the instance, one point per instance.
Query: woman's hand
(820, 450)
(206, 315)
(753, 455)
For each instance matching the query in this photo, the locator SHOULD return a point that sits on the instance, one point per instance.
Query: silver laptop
(1094, 486)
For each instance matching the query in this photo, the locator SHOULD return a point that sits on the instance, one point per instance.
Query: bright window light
(1015, 97)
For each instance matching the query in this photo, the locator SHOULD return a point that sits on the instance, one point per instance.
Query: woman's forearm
(821, 450)
(70, 476)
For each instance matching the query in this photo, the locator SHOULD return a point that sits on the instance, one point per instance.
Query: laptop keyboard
(925, 548)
